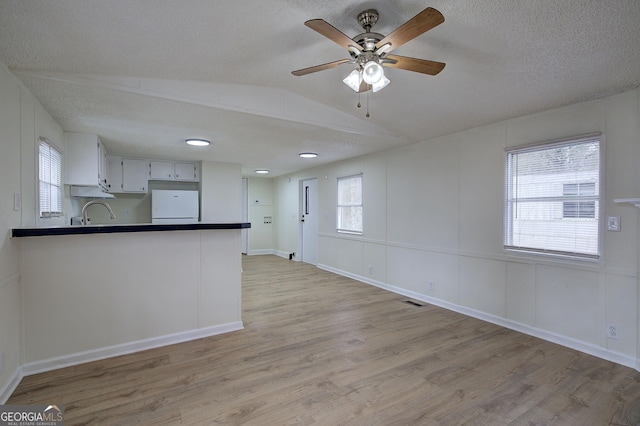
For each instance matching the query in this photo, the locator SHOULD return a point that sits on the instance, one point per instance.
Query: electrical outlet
(17, 202)
(370, 269)
(613, 332)
(432, 286)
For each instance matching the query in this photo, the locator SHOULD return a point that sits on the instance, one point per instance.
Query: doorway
(309, 220)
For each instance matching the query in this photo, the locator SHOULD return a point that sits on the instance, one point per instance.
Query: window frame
(597, 198)
(340, 206)
(49, 213)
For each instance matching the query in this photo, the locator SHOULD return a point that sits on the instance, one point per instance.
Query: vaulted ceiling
(146, 74)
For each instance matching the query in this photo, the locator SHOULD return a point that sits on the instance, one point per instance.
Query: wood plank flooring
(320, 349)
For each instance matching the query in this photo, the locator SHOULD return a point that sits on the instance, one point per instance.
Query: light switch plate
(17, 202)
(613, 223)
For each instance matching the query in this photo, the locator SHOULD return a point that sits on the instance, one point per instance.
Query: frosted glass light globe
(372, 72)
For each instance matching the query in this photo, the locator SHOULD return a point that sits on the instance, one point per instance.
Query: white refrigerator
(174, 206)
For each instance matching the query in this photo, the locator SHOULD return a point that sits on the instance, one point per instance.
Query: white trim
(554, 143)
(127, 348)
(261, 252)
(279, 253)
(588, 348)
(10, 386)
(529, 259)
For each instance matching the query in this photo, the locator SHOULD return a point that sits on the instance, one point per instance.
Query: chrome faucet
(104, 203)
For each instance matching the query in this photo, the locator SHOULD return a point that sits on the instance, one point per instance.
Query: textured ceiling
(146, 74)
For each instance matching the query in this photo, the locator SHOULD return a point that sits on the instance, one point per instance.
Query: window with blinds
(553, 196)
(349, 216)
(50, 179)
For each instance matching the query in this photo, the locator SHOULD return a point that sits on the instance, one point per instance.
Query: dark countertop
(111, 229)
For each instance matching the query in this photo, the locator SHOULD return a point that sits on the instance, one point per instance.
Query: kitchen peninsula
(91, 292)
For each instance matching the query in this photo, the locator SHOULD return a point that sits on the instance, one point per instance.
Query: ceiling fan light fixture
(381, 84)
(372, 72)
(197, 142)
(353, 80)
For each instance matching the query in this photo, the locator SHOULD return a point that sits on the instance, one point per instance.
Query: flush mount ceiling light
(197, 142)
(369, 51)
(308, 155)
(262, 171)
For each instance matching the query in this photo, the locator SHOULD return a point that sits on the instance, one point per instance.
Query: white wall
(10, 133)
(22, 121)
(221, 192)
(434, 214)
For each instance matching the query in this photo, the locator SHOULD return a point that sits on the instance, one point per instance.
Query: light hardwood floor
(320, 349)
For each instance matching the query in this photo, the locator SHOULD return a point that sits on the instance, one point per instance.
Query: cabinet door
(102, 165)
(114, 174)
(82, 159)
(134, 175)
(161, 170)
(185, 171)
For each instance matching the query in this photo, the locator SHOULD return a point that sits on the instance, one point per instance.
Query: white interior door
(309, 220)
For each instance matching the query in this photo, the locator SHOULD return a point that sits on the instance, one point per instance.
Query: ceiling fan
(370, 51)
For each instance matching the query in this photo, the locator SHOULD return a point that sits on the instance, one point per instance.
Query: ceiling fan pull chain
(367, 105)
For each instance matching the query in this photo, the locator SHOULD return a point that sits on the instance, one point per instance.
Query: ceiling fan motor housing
(367, 19)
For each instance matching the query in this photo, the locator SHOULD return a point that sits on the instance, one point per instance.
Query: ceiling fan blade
(414, 64)
(332, 33)
(322, 67)
(419, 24)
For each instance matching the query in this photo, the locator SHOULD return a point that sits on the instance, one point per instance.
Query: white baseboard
(568, 342)
(126, 348)
(279, 253)
(10, 386)
(260, 252)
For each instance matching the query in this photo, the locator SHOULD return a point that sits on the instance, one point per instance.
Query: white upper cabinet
(160, 170)
(114, 173)
(85, 160)
(134, 175)
(127, 175)
(174, 170)
(186, 171)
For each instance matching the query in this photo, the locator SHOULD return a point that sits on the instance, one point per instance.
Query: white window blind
(553, 196)
(50, 179)
(349, 216)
